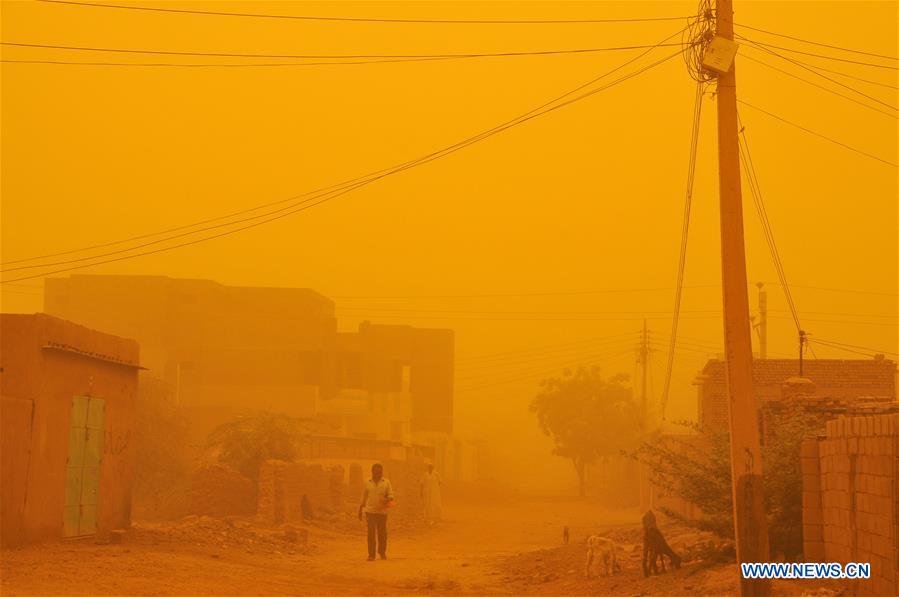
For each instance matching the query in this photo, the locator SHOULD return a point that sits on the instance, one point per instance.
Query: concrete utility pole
(746, 456)
(763, 320)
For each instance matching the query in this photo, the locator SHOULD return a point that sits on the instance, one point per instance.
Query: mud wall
(48, 361)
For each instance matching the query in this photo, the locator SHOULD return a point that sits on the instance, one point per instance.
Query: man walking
(377, 497)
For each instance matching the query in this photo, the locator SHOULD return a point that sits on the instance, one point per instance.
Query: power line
(827, 89)
(835, 72)
(343, 188)
(758, 199)
(477, 370)
(347, 183)
(685, 229)
(849, 290)
(540, 373)
(840, 73)
(816, 73)
(843, 321)
(874, 350)
(226, 65)
(825, 137)
(336, 56)
(505, 312)
(364, 19)
(544, 348)
(795, 51)
(519, 294)
(451, 317)
(815, 43)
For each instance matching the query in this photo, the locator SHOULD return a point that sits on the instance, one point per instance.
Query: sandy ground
(479, 549)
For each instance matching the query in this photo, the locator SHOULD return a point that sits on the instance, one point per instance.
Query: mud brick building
(837, 379)
(66, 426)
(850, 500)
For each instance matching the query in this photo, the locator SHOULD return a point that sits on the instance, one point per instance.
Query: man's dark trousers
(377, 523)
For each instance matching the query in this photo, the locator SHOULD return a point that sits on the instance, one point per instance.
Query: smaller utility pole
(802, 341)
(763, 320)
(644, 362)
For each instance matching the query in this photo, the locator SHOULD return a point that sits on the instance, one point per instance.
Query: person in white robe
(430, 493)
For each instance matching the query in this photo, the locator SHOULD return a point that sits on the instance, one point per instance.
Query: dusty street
(479, 550)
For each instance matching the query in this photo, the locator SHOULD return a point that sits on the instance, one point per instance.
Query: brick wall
(282, 485)
(843, 380)
(850, 497)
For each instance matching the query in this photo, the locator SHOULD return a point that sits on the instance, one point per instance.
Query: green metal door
(83, 466)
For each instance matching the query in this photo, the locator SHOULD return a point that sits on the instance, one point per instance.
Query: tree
(245, 443)
(697, 469)
(588, 417)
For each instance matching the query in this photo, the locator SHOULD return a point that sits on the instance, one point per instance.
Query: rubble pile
(217, 490)
(223, 533)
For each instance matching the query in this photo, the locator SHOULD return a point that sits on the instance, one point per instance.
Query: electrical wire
(342, 188)
(825, 77)
(341, 185)
(874, 350)
(761, 210)
(542, 348)
(515, 366)
(685, 229)
(518, 294)
(339, 191)
(815, 43)
(813, 84)
(826, 57)
(505, 312)
(540, 373)
(833, 71)
(226, 65)
(811, 132)
(365, 19)
(400, 57)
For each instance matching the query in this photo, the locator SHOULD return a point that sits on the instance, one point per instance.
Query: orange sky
(586, 198)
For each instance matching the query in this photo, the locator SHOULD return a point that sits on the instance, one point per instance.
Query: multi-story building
(227, 351)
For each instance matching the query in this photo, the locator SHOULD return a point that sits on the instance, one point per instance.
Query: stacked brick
(283, 485)
(217, 490)
(850, 509)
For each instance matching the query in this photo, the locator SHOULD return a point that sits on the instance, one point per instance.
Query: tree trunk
(579, 466)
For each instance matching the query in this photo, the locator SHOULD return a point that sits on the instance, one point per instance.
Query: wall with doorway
(45, 365)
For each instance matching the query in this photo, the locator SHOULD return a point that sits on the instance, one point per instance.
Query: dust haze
(251, 250)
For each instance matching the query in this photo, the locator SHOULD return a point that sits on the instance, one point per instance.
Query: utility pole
(763, 320)
(644, 361)
(802, 341)
(746, 458)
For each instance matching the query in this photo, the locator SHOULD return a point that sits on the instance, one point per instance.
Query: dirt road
(479, 550)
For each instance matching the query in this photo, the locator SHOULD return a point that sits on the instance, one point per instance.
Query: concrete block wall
(850, 497)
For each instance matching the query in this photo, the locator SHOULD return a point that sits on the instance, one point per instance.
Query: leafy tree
(588, 417)
(245, 443)
(697, 469)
